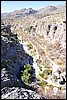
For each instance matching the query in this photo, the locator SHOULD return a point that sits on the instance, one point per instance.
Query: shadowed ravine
(11, 53)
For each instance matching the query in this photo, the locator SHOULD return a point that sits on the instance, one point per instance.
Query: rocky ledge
(19, 93)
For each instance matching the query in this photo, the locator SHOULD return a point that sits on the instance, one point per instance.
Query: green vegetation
(45, 73)
(38, 60)
(34, 50)
(28, 67)
(26, 75)
(54, 78)
(46, 65)
(42, 84)
(29, 46)
(42, 75)
(40, 67)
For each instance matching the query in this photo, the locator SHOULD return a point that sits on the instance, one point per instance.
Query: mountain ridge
(30, 11)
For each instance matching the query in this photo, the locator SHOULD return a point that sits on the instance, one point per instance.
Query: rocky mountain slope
(43, 11)
(36, 38)
(13, 58)
(19, 13)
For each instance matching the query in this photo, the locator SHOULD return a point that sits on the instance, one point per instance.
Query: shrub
(42, 75)
(34, 50)
(38, 61)
(29, 46)
(40, 67)
(26, 75)
(42, 84)
(29, 28)
(47, 71)
(54, 78)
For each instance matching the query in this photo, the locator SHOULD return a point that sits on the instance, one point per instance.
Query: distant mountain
(61, 7)
(41, 12)
(30, 11)
(4, 14)
(19, 13)
(52, 9)
(47, 9)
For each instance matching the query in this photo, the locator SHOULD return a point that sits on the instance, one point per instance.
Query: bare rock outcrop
(19, 93)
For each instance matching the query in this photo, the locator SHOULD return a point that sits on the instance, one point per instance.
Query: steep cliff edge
(14, 57)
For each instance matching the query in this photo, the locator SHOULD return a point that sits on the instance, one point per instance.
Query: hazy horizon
(9, 6)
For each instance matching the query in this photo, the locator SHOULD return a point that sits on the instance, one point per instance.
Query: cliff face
(13, 57)
(11, 54)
